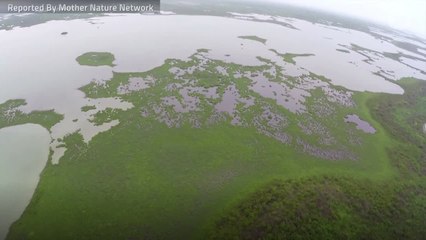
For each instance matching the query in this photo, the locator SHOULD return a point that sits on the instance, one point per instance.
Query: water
(290, 99)
(24, 151)
(360, 124)
(415, 63)
(135, 84)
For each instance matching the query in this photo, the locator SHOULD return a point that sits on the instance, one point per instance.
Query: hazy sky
(409, 15)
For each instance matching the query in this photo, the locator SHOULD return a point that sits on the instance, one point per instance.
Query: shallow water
(24, 150)
(231, 98)
(135, 84)
(360, 124)
(415, 63)
(290, 99)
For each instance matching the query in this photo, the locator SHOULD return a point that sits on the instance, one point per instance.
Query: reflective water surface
(24, 151)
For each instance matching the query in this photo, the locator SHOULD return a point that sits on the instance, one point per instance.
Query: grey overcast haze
(407, 15)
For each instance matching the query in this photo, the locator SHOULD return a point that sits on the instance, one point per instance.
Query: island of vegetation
(88, 108)
(96, 59)
(290, 57)
(254, 38)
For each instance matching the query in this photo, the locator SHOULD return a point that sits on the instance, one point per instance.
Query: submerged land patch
(254, 38)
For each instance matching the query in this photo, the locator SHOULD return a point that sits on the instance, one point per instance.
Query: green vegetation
(165, 174)
(348, 208)
(96, 59)
(10, 115)
(289, 57)
(254, 38)
(329, 208)
(403, 118)
(88, 108)
(105, 116)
